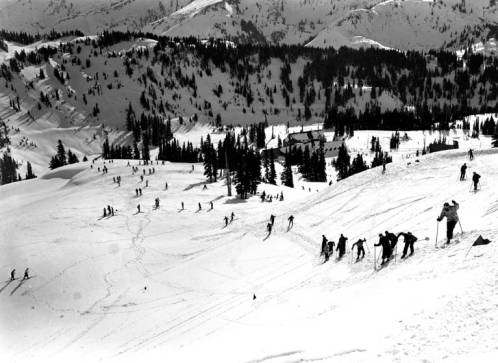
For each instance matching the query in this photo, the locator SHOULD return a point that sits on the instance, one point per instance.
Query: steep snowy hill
(177, 283)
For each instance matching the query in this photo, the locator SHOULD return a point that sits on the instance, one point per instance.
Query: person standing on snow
(232, 216)
(450, 212)
(386, 248)
(409, 239)
(26, 274)
(341, 246)
(393, 239)
(272, 219)
(360, 249)
(324, 245)
(475, 180)
(471, 154)
(291, 222)
(463, 172)
(13, 274)
(226, 221)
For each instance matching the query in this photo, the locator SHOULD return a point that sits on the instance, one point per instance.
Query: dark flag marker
(479, 242)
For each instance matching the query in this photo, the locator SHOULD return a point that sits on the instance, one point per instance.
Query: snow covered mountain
(89, 16)
(400, 24)
(176, 283)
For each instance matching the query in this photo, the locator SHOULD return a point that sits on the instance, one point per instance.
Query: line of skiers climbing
(475, 177)
(25, 277)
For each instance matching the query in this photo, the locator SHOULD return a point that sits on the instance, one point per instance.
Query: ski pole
(395, 253)
(437, 232)
(461, 229)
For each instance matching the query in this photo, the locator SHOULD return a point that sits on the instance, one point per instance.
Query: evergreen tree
(287, 177)
(272, 178)
(343, 162)
(61, 153)
(29, 171)
(145, 147)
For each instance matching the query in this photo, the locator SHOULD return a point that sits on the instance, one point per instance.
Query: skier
(146, 183)
(409, 239)
(112, 211)
(324, 244)
(450, 212)
(383, 167)
(291, 221)
(26, 274)
(386, 248)
(232, 216)
(226, 221)
(13, 274)
(281, 196)
(141, 178)
(471, 154)
(475, 180)
(272, 219)
(140, 191)
(183, 206)
(105, 214)
(166, 186)
(341, 246)
(393, 239)
(109, 210)
(269, 228)
(360, 249)
(211, 204)
(136, 192)
(157, 202)
(200, 207)
(463, 171)
(329, 250)
(138, 208)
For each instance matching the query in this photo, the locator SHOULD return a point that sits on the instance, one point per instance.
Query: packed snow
(178, 284)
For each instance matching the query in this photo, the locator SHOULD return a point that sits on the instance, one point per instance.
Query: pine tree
(61, 153)
(145, 147)
(287, 177)
(29, 171)
(272, 179)
(342, 163)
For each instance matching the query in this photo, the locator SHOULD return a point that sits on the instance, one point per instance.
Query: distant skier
(26, 274)
(232, 216)
(329, 250)
(291, 221)
(393, 239)
(463, 172)
(157, 203)
(383, 167)
(13, 274)
(211, 205)
(269, 227)
(166, 186)
(140, 191)
(226, 221)
(112, 211)
(105, 212)
(341, 246)
(471, 154)
(200, 207)
(281, 196)
(359, 248)
(450, 212)
(147, 183)
(183, 206)
(136, 192)
(324, 245)
(409, 240)
(386, 248)
(205, 187)
(272, 219)
(138, 208)
(475, 180)
(109, 210)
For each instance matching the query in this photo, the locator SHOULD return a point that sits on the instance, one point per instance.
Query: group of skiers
(475, 177)
(109, 211)
(387, 241)
(269, 198)
(25, 277)
(229, 220)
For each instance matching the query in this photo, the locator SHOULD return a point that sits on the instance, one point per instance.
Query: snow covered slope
(402, 24)
(176, 283)
(89, 16)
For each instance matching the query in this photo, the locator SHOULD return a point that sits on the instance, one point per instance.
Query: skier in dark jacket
(450, 212)
(475, 180)
(272, 219)
(393, 239)
(463, 171)
(341, 246)
(269, 227)
(324, 245)
(226, 221)
(329, 250)
(360, 249)
(13, 274)
(409, 239)
(471, 154)
(291, 222)
(386, 248)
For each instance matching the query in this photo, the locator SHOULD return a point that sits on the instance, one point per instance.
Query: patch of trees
(62, 158)
(8, 170)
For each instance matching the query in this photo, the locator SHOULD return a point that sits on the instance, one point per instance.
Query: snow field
(178, 284)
